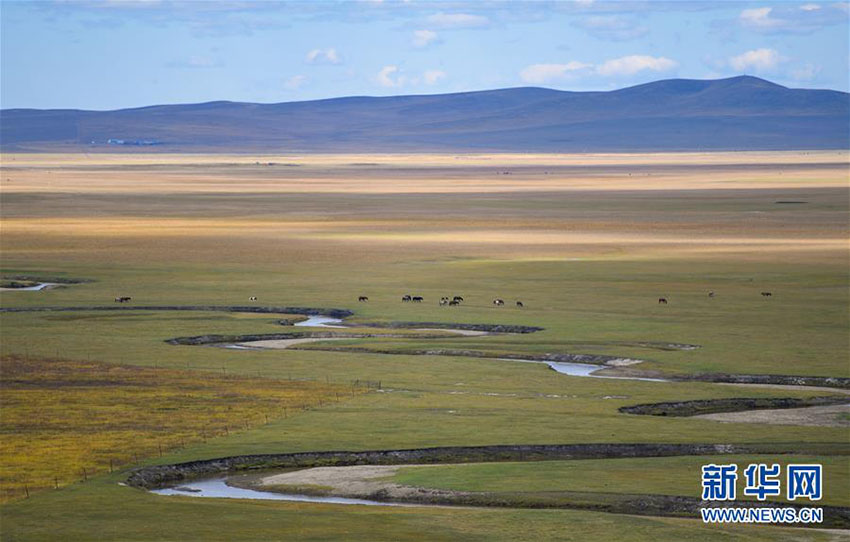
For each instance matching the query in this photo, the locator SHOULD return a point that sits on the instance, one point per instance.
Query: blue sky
(125, 53)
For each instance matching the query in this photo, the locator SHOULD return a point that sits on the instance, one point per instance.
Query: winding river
(571, 369)
(36, 288)
(218, 488)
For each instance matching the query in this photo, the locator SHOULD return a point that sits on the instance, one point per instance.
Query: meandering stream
(36, 288)
(218, 488)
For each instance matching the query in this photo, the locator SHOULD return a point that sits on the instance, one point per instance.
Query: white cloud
(295, 82)
(630, 65)
(759, 18)
(385, 77)
(785, 18)
(323, 56)
(421, 38)
(457, 20)
(757, 60)
(543, 73)
(624, 66)
(433, 76)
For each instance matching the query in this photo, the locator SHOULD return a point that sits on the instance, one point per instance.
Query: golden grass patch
(64, 421)
(417, 174)
(320, 209)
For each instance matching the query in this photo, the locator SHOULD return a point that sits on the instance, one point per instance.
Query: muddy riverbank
(164, 475)
(740, 404)
(783, 380)
(360, 478)
(490, 328)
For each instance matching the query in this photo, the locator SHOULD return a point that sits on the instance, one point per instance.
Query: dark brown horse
(662, 300)
(363, 298)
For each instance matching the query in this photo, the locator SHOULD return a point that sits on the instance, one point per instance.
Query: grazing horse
(363, 298)
(662, 300)
(498, 302)
(123, 299)
(711, 293)
(406, 298)
(519, 304)
(457, 298)
(453, 303)
(766, 294)
(417, 299)
(252, 298)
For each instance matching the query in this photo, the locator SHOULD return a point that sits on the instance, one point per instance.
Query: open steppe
(588, 243)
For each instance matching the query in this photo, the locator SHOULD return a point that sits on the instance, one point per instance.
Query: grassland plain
(587, 243)
(663, 476)
(64, 421)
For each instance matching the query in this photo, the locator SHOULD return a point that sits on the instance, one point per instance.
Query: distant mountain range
(740, 113)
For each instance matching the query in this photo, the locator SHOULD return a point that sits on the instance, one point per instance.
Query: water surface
(320, 321)
(582, 369)
(218, 488)
(36, 288)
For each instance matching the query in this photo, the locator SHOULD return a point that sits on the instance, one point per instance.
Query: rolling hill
(739, 113)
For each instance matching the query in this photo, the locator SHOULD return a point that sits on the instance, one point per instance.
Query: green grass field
(662, 476)
(589, 266)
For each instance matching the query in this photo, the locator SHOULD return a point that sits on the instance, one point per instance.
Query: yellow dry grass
(379, 208)
(404, 174)
(64, 420)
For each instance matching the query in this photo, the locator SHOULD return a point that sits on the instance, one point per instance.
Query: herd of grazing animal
(498, 302)
(449, 301)
(453, 302)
